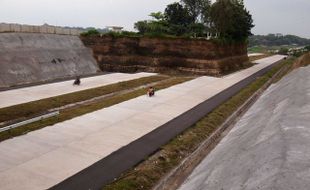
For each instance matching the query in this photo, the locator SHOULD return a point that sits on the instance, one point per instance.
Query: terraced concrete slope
(269, 146)
(52, 155)
(27, 58)
(29, 94)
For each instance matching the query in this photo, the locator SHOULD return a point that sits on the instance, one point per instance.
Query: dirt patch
(302, 61)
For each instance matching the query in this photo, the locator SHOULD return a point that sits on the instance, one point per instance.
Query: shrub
(91, 32)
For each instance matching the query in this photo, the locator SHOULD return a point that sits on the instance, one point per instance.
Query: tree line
(277, 40)
(225, 19)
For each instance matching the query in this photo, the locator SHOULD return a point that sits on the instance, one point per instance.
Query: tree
(228, 18)
(277, 40)
(142, 26)
(178, 19)
(176, 14)
(157, 16)
(283, 51)
(231, 20)
(156, 26)
(205, 12)
(198, 9)
(197, 30)
(91, 32)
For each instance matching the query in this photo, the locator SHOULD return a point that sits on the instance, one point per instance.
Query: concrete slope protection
(91, 150)
(269, 146)
(29, 94)
(29, 58)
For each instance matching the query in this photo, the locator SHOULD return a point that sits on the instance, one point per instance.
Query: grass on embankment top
(34, 108)
(303, 61)
(147, 174)
(254, 58)
(78, 111)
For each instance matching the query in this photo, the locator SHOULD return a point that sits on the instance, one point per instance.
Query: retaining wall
(44, 29)
(27, 58)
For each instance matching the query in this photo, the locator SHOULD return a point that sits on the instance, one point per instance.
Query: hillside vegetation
(277, 40)
(227, 21)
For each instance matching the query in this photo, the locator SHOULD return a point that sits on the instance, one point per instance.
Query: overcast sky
(270, 16)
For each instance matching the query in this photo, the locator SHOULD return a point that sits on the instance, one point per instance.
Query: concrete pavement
(254, 54)
(29, 94)
(44, 158)
(269, 146)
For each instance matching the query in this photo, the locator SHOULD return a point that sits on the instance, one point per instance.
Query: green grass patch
(254, 58)
(148, 173)
(304, 60)
(34, 108)
(257, 49)
(75, 112)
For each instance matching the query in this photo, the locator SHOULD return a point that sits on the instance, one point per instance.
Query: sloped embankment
(131, 54)
(303, 61)
(31, 58)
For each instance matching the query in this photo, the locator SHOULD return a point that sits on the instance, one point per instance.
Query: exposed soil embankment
(32, 58)
(303, 61)
(130, 54)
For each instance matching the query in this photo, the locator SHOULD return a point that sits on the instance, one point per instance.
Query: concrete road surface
(254, 54)
(46, 157)
(29, 94)
(269, 148)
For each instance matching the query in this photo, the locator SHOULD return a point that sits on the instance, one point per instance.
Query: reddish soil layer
(131, 54)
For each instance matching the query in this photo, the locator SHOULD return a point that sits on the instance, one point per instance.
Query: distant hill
(277, 40)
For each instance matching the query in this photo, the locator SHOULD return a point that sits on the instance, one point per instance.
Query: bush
(283, 51)
(130, 34)
(91, 32)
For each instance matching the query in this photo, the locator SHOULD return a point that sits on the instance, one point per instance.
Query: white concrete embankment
(269, 146)
(44, 158)
(44, 29)
(28, 58)
(29, 94)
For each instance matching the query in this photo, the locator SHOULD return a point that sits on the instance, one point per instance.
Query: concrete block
(60, 163)
(26, 28)
(51, 29)
(59, 30)
(115, 114)
(17, 152)
(167, 109)
(5, 27)
(36, 29)
(138, 104)
(74, 32)
(51, 138)
(101, 149)
(18, 178)
(43, 29)
(16, 28)
(67, 31)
